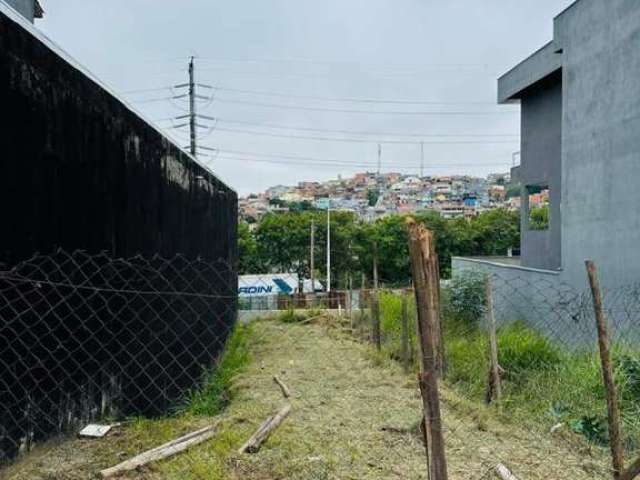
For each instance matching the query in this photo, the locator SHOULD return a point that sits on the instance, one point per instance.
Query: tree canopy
(280, 242)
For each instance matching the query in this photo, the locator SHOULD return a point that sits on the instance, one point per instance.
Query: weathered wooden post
(424, 267)
(375, 319)
(404, 340)
(615, 440)
(494, 389)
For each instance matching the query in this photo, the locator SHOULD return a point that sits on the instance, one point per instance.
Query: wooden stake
(441, 360)
(160, 453)
(504, 473)
(375, 319)
(617, 458)
(285, 390)
(262, 434)
(425, 276)
(495, 387)
(405, 332)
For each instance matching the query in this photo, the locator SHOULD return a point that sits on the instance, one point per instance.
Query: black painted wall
(80, 170)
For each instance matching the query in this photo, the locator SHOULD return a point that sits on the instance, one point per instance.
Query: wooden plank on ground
(162, 452)
(504, 473)
(260, 436)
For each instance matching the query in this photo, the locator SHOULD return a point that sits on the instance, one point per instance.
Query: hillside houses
(372, 195)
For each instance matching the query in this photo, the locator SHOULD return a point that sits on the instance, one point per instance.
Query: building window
(538, 215)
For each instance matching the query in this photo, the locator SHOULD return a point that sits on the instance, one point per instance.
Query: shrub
(627, 373)
(466, 296)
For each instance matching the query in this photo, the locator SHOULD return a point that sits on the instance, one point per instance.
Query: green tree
(283, 242)
(280, 242)
(250, 261)
(496, 231)
(373, 196)
(539, 218)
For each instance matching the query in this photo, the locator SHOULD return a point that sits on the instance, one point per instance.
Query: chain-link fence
(551, 405)
(87, 336)
(140, 343)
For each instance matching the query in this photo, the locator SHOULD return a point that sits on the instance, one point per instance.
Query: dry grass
(354, 416)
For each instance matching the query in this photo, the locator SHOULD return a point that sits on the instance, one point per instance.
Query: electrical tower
(193, 115)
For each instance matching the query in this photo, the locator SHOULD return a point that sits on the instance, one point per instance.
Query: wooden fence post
(375, 319)
(424, 267)
(613, 411)
(404, 339)
(350, 302)
(494, 390)
(441, 359)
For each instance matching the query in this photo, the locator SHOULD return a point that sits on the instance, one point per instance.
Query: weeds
(216, 392)
(542, 384)
(291, 316)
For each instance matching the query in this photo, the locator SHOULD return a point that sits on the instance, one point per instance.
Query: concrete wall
(547, 304)
(26, 8)
(541, 165)
(601, 139)
(597, 46)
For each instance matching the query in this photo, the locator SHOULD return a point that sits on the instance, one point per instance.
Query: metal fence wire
(84, 336)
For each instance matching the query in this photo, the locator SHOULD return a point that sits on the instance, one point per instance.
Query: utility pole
(379, 158)
(190, 119)
(192, 108)
(421, 160)
(312, 256)
(329, 246)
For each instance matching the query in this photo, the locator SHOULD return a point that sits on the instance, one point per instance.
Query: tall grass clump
(216, 392)
(391, 323)
(291, 316)
(522, 350)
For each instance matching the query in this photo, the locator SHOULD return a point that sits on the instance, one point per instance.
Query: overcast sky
(311, 64)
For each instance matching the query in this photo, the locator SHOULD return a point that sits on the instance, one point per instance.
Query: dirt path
(354, 416)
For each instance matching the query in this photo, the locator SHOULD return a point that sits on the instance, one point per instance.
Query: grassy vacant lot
(354, 416)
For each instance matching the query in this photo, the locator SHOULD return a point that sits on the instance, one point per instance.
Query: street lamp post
(329, 246)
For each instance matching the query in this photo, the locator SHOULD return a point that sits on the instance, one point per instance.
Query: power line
(366, 112)
(313, 61)
(363, 132)
(347, 99)
(320, 98)
(372, 166)
(145, 90)
(362, 140)
(316, 159)
(151, 100)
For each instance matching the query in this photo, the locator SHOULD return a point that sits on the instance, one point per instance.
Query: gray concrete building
(580, 127)
(30, 9)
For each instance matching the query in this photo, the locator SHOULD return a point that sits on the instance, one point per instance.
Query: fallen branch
(285, 390)
(163, 451)
(257, 439)
(504, 473)
(310, 319)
